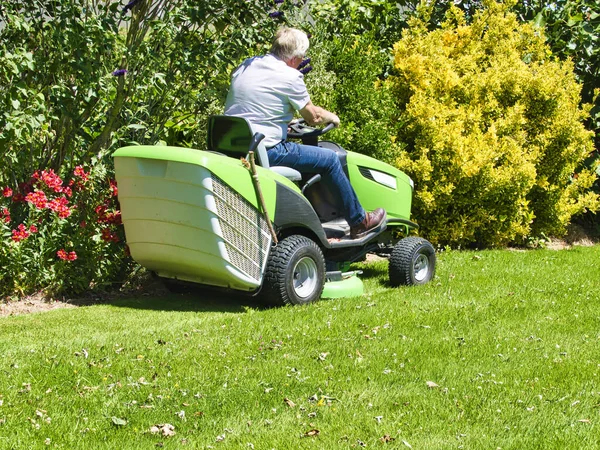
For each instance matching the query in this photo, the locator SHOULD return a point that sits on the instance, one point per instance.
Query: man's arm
(315, 115)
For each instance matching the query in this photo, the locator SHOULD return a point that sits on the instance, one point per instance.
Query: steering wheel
(299, 129)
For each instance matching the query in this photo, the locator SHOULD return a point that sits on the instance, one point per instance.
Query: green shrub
(493, 130)
(348, 79)
(61, 235)
(80, 78)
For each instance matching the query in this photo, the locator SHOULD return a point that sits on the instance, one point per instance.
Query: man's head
(290, 45)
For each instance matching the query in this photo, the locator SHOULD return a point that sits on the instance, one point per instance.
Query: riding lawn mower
(222, 217)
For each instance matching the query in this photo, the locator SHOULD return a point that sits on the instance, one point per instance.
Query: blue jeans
(310, 159)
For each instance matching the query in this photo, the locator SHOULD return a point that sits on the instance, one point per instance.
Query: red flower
(7, 192)
(27, 187)
(18, 197)
(20, 233)
(79, 172)
(70, 256)
(6, 214)
(67, 190)
(114, 218)
(108, 217)
(37, 198)
(113, 187)
(52, 180)
(60, 205)
(100, 210)
(109, 236)
(33, 229)
(83, 224)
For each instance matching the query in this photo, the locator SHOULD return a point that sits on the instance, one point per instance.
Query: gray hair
(289, 43)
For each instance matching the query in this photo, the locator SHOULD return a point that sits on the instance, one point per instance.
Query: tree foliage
(572, 30)
(78, 78)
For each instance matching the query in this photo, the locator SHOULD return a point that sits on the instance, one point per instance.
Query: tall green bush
(493, 130)
(348, 79)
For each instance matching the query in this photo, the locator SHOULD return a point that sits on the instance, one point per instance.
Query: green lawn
(501, 350)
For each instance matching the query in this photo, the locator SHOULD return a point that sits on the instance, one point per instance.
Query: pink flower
(33, 229)
(37, 198)
(7, 192)
(67, 190)
(66, 256)
(6, 214)
(20, 233)
(79, 172)
(60, 205)
(52, 180)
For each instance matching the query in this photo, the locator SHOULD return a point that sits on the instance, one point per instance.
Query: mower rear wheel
(412, 262)
(295, 273)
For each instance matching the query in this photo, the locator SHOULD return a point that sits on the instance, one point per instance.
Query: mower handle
(256, 138)
(299, 130)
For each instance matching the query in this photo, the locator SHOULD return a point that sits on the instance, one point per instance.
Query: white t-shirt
(267, 92)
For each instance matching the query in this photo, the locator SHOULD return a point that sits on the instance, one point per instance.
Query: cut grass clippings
(500, 350)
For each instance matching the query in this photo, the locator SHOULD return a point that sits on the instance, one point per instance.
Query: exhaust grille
(245, 231)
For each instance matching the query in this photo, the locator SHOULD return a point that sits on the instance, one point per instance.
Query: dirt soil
(30, 304)
(145, 285)
(576, 235)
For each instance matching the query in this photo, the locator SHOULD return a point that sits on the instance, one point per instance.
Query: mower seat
(232, 136)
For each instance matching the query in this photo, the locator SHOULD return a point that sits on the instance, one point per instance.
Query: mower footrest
(347, 241)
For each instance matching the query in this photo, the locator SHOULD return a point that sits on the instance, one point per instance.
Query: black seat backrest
(229, 135)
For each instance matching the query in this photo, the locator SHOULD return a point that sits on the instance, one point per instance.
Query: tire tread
(400, 265)
(274, 288)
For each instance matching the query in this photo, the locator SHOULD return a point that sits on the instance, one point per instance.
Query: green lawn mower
(223, 218)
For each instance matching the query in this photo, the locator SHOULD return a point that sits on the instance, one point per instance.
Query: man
(267, 90)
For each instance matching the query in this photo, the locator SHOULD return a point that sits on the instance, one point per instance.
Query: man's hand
(334, 120)
(315, 115)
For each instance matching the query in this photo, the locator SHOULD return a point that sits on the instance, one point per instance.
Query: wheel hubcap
(305, 277)
(421, 267)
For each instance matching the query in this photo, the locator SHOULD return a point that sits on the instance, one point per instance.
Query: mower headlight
(412, 183)
(384, 178)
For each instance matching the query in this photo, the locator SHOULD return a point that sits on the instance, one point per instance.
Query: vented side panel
(245, 231)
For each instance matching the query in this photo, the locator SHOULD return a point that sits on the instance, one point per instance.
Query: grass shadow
(225, 302)
(372, 272)
(151, 293)
(154, 295)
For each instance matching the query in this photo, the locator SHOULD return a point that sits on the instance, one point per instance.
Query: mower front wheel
(412, 262)
(295, 273)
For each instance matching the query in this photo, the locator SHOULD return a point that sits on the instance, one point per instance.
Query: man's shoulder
(270, 62)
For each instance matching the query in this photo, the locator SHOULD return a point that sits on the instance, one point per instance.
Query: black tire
(412, 262)
(295, 273)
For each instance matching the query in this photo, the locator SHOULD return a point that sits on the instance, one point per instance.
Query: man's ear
(293, 62)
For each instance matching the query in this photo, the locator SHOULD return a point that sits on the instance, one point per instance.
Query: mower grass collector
(211, 218)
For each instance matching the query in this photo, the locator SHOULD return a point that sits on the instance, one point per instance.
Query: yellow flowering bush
(492, 133)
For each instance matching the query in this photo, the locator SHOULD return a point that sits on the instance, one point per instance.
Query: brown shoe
(372, 220)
